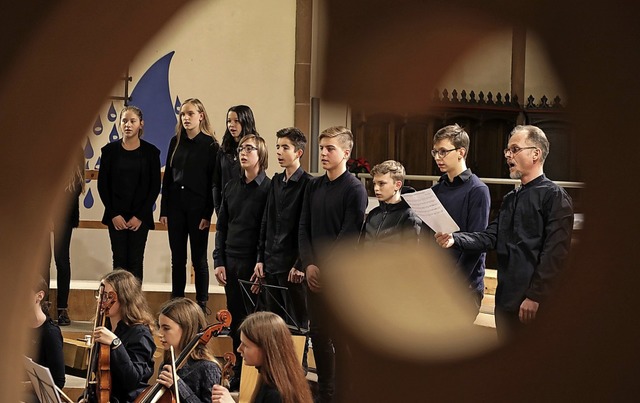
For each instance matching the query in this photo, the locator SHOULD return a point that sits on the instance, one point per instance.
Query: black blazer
(148, 183)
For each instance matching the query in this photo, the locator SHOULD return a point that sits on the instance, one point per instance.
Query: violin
(158, 392)
(227, 369)
(98, 381)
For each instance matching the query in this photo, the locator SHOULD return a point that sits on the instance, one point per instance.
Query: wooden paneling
(409, 139)
(375, 138)
(414, 145)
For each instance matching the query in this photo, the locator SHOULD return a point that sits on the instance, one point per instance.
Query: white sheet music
(42, 382)
(426, 205)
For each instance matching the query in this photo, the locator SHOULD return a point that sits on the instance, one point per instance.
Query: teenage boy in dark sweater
(238, 231)
(332, 215)
(465, 198)
(278, 254)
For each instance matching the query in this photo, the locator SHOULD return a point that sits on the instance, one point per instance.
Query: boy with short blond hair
(332, 214)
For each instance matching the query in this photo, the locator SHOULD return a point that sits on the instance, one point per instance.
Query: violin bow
(175, 374)
(63, 395)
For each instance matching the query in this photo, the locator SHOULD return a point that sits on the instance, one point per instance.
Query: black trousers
(127, 248)
(61, 245)
(239, 303)
(290, 304)
(183, 221)
(323, 347)
(507, 324)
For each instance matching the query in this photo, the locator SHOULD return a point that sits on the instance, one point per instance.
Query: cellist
(128, 332)
(180, 320)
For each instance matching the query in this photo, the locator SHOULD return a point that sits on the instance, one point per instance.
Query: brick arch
(586, 349)
(52, 81)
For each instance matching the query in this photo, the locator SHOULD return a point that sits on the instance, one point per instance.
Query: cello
(98, 381)
(161, 394)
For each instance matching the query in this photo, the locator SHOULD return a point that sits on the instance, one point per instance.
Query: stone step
(82, 298)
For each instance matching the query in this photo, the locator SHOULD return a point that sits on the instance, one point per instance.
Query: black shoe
(205, 308)
(63, 317)
(234, 384)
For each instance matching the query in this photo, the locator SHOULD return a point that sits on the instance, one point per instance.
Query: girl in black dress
(187, 199)
(240, 122)
(129, 184)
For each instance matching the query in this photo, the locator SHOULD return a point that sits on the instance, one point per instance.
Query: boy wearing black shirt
(332, 214)
(278, 257)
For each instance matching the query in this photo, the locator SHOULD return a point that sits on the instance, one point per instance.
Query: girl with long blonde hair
(128, 331)
(187, 198)
(180, 320)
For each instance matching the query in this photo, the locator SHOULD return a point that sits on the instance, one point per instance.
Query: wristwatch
(115, 343)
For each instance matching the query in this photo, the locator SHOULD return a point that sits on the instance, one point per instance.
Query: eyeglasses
(442, 152)
(247, 148)
(513, 150)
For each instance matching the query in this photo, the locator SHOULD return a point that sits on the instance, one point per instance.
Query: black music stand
(42, 382)
(245, 285)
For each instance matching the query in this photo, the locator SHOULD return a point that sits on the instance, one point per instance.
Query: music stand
(42, 382)
(296, 329)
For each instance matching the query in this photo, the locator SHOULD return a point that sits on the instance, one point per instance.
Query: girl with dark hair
(240, 122)
(128, 331)
(187, 200)
(129, 183)
(180, 320)
(47, 338)
(268, 346)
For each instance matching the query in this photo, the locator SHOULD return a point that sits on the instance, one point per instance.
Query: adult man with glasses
(466, 198)
(531, 235)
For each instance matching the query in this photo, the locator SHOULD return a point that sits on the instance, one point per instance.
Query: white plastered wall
(226, 53)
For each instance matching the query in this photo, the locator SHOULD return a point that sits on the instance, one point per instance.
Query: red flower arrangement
(358, 165)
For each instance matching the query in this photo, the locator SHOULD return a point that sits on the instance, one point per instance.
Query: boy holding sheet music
(465, 198)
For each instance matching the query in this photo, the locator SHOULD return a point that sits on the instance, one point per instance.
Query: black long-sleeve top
(48, 341)
(467, 200)
(278, 246)
(227, 168)
(392, 224)
(332, 212)
(268, 394)
(192, 169)
(129, 181)
(238, 224)
(131, 362)
(197, 378)
(532, 237)
(73, 188)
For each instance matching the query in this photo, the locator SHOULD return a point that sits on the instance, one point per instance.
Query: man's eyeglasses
(442, 152)
(247, 148)
(513, 150)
